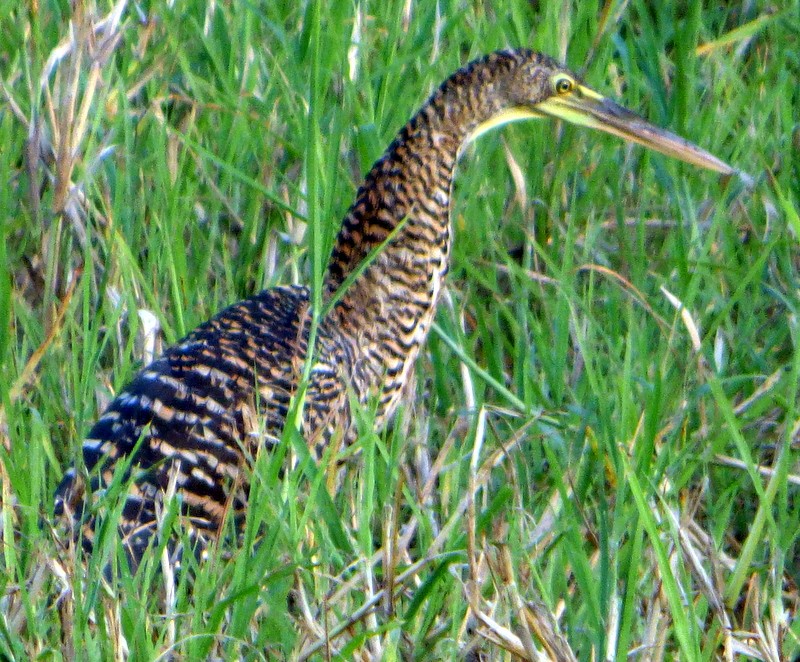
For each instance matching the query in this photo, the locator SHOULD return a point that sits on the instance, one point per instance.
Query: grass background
(574, 477)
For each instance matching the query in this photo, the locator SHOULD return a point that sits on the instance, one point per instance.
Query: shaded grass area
(576, 475)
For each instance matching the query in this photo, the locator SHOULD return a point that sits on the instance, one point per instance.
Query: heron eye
(564, 85)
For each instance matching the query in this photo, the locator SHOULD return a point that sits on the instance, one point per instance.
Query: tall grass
(579, 476)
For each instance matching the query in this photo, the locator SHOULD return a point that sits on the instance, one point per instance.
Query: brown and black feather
(194, 415)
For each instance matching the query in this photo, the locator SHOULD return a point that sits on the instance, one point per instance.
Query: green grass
(572, 476)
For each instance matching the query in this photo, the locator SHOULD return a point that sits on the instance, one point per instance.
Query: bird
(188, 422)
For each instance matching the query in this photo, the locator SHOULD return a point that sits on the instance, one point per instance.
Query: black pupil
(563, 86)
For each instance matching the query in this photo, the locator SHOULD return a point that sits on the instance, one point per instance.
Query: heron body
(193, 417)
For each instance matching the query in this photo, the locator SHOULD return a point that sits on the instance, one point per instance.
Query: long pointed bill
(586, 107)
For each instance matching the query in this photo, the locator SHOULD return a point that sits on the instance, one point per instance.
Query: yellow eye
(564, 85)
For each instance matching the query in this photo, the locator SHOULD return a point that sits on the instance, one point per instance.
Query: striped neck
(411, 182)
(385, 313)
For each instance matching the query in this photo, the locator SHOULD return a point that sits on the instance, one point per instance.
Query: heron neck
(410, 185)
(403, 206)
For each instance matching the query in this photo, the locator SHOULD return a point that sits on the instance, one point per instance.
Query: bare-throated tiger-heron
(193, 416)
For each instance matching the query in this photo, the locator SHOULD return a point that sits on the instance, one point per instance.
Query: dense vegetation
(602, 457)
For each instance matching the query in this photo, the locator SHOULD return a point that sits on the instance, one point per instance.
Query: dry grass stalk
(72, 85)
(411, 573)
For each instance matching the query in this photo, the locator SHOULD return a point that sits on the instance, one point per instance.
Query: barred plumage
(194, 416)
